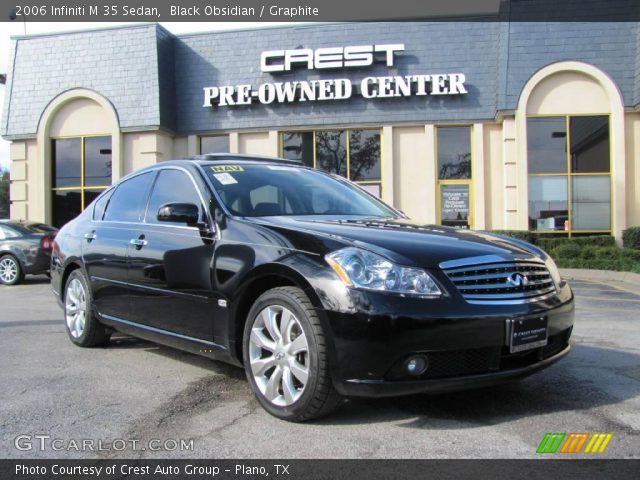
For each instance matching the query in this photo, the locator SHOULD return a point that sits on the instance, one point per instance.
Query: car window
(128, 201)
(255, 190)
(172, 186)
(101, 205)
(39, 228)
(6, 233)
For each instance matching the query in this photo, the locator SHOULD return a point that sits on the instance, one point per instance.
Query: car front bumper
(466, 346)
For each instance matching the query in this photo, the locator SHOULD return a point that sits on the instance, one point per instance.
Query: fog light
(416, 365)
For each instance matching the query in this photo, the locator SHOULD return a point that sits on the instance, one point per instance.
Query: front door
(170, 263)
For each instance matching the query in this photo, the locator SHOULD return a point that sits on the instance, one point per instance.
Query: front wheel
(11, 272)
(82, 327)
(285, 356)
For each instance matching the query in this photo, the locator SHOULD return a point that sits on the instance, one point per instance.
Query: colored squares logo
(557, 442)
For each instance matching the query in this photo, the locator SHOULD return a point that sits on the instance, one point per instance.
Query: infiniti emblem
(518, 280)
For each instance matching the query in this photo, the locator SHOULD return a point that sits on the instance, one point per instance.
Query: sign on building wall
(336, 89)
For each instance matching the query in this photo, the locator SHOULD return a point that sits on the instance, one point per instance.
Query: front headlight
(553, 270)
(365, 270)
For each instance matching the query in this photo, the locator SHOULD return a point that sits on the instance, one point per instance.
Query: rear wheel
(82, 327)
(11, 272)
(285, 357)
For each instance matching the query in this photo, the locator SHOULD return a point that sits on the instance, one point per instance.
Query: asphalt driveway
(134, 390)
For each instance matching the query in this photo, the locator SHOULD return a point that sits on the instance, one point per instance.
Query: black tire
(94, 333)
(318, 397)
(17, 277)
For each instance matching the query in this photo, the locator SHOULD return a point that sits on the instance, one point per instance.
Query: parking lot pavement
(134, 390)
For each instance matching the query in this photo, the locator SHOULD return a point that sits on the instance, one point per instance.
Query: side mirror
(179, 213)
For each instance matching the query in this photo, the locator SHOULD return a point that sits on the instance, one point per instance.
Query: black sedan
(317, 288)
(25, 248)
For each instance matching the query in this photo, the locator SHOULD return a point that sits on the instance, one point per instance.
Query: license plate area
(527, 333)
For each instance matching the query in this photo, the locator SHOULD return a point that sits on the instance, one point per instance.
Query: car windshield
(251, 190)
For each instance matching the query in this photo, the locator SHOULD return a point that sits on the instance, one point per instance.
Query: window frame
(347, 131)
(81, 188)
(568, 174)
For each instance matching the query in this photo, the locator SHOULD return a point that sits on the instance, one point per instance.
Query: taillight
(46, 243)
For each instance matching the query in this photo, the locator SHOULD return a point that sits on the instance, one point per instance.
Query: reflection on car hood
(404, 241)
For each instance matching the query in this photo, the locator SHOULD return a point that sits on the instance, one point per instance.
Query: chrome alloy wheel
(279, 355)
(8, 270)
(75, 308)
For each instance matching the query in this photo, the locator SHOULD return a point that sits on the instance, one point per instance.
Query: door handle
(138, 242)
(90, 236)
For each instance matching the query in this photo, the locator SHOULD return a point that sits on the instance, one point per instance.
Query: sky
(8, 29)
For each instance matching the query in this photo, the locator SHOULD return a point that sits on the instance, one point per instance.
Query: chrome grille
(498, 282)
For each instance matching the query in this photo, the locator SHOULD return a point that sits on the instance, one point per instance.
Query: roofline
(284, 26)
(88, 30)
(182, 35)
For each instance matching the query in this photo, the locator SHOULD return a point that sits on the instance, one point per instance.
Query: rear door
(106, 245)
(170, 267)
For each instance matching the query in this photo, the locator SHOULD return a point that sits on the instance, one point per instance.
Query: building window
(214, 144)
(353, 153)
(298, 146)
(453, 145)
(81, 169)
(569, 174)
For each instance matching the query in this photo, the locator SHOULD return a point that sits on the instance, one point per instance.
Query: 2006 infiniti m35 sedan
(317, 288)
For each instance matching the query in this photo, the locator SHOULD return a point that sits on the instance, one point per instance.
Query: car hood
(406, 242)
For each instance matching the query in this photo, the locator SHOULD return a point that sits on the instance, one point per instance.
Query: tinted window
(171, 186)
(267, 190)
(66, 158)
(214, 144)
(6, 232)
(454, 153)
(66, 206)
(364, 155)
(298, 146)
(331, 152)
(97, 161)
(547, 144)
(101, 205)
(39, 228)
(589, 144)
(128, 201)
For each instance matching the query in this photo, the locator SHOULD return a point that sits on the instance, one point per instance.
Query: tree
(4, 193)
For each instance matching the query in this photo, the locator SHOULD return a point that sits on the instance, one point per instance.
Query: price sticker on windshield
(225, 178)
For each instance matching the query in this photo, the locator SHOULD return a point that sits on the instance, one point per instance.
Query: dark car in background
(317, 288)
(25, 248)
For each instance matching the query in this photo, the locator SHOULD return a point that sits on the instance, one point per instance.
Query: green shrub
(631, 238)
(518, 234)
(565, 251)
(571, 255)
(630, 254)
(547, 243)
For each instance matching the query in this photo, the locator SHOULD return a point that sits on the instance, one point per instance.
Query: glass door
(455, 190)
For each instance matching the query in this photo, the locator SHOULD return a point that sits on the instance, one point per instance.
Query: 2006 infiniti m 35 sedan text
(317, 288)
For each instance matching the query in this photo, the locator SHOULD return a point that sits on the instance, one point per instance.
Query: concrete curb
(600, 275)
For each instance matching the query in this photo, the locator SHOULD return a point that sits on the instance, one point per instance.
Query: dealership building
(484, 125)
